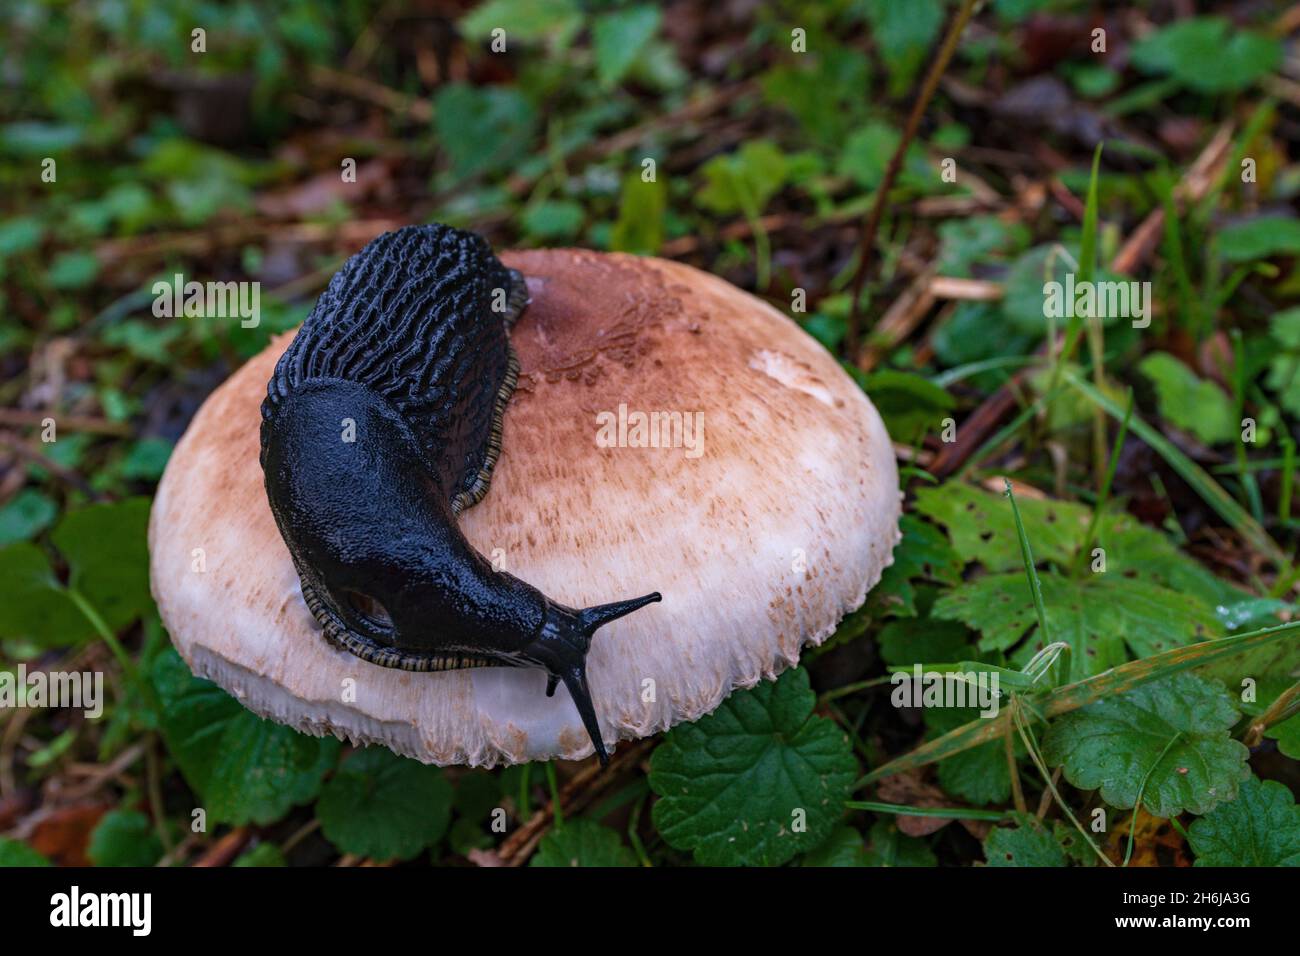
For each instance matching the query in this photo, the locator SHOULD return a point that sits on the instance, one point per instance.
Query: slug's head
(561, 649)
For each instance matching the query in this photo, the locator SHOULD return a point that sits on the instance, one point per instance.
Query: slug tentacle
(382, 423)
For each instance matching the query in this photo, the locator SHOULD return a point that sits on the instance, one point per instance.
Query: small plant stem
(106, 635)
(1284, 708)
(928, 87)
(1103, 495)
(1063, 700)
(1031, 747)
(155, 793)
(1013, 772)
(1142, 789)
(1288, 481)
(557, 811)
(850, 689)
(1027, 555)
(633, 836)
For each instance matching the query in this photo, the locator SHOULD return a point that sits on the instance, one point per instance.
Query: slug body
(381, 424)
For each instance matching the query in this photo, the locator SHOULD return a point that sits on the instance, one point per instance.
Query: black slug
(382, 423)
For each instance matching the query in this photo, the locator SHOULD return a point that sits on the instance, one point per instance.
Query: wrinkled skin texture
(382, 423)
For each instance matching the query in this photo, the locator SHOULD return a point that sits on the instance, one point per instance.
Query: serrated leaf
(582, 843)
(383, 806)
(245, 768)
(1172, 734)
(124, 838)
(16, 853)
(1028, 844)
(982, 528)
(1134, 550)
(1098, 616)
(108, 558)
(732, 785)
(1259, 828)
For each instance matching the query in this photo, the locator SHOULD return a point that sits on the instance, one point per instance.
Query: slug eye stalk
(561, 648)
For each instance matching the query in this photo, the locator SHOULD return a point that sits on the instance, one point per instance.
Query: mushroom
(667, 429)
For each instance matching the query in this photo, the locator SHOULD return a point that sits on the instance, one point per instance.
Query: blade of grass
(1104, 495)
(1062, 700)
(1027, 555)
(945, 813)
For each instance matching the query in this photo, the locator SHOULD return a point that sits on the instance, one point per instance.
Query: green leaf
(1097, 616)
(640, 225)
(26, 515)
(1259, 828)
(1208, 54)
(924, 553)
(530, 21)
(582, 843)
(979, 775)
(245, 768)
(910, 404)
(20, 234)
(33, 605)
(554, 219)
(17, 853)
(482, 129)
(619, 38)
(108, 558)
(735, 786)
(920, 640)
(844, 847)
(383, 806)
(903, 34)
(891, 847)
(825, 90)
(983, 529)
(866, 155)
(262, 855)
(1284, 367)
(1193, 404)
(1168, 739)
(744, 181)
(1028, 844)
(73, 270)
(1260, 238)
(124, 838)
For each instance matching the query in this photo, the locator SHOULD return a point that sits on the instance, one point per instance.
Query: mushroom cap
(760, 537)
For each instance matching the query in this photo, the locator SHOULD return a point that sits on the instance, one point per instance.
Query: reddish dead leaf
(63, 835)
